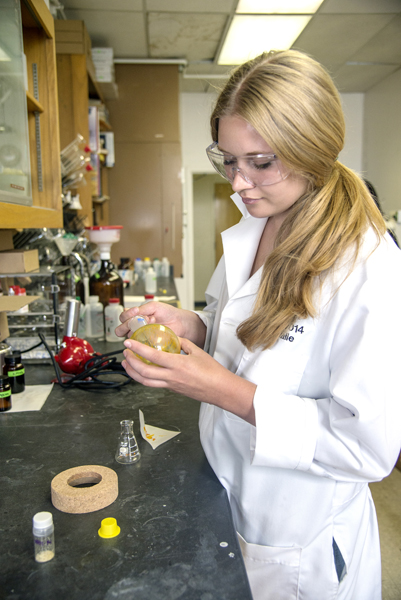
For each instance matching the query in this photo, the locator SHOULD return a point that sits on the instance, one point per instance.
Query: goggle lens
(258, 169)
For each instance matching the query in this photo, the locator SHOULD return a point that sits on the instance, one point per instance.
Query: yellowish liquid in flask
(159, 337)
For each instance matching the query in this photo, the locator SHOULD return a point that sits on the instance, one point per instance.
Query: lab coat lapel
(240, 244)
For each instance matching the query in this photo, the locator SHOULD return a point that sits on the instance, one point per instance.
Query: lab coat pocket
(273, 573)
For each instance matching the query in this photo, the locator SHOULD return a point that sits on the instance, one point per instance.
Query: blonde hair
(291, 101)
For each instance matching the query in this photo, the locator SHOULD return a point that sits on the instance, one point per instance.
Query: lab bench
(134, 294)
(177, 539)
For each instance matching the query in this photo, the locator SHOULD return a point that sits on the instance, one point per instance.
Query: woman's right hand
(184, 323)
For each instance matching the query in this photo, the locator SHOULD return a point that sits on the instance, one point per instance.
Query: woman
(295, 358)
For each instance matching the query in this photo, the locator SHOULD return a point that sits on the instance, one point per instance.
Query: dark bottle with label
(107, 283)
(5, 393)
(14, 370)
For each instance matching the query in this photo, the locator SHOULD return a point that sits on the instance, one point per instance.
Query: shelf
(32, 104)
(104, 126)
(100, 200)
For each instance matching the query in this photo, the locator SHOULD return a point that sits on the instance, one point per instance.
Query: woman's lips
(249, 200)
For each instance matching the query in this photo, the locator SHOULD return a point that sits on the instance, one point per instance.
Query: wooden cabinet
(44, 144)
(145, 184)
(76, 86)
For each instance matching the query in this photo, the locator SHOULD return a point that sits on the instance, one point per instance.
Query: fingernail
(127, 344)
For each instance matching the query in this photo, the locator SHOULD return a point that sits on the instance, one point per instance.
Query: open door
(226, 214)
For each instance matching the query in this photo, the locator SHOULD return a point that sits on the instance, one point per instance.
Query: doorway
(214, 211)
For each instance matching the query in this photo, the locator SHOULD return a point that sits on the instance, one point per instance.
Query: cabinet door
(43, 130)
(15, 176)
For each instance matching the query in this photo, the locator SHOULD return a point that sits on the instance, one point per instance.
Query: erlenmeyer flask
(127, 449)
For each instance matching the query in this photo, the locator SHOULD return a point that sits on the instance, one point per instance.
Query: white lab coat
(328, 421)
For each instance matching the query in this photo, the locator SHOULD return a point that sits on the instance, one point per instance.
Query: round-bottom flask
(154, 335)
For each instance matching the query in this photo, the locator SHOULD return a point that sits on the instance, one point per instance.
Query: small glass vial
(15, 371)
(127, 449)
(43, 536)
(5, 394)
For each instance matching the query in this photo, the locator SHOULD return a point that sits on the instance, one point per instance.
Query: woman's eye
(229, 162)
(260, 166)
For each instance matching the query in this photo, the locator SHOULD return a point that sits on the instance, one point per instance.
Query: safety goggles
(255, 169)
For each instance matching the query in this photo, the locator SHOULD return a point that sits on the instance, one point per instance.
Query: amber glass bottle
(5, 393)
(15, 371)
(107, 283)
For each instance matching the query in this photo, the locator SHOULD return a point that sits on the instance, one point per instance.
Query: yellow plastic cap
(109, 528)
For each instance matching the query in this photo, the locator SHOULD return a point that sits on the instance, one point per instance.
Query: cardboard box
(4, 332)
(6, 239)
(72, 37)
(9, 304)
(19, 261)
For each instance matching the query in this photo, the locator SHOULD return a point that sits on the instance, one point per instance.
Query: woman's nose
(239, 182)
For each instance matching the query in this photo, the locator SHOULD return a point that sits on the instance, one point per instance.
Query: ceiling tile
(332, 39)
(185, 35)
(129, 5)
(360, 78)
(205, 6)
(385, 46)
(122, 31)
(360, 6)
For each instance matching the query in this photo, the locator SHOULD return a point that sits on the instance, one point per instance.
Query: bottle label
(5, 394)
(16, 373)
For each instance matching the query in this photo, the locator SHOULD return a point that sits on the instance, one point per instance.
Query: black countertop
(177, 538)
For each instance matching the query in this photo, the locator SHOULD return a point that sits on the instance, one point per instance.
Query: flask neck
(127, 427)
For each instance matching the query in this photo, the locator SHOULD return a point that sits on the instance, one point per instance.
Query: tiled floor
(387, 498)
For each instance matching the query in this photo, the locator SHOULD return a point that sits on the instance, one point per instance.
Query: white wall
(382, 141)
(352, 154)
(195, 110)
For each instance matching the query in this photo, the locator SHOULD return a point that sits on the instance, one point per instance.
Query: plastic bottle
(150, 281)
(165, 267)
(82, 319)
(156, 266)
(5, 394)
(138, 268)
(43, 536)
(15, 371)
(94, 319)
(145, 266)
(111, 317)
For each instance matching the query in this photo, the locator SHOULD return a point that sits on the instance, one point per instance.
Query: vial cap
(109, 528)
(135, 323)
(93, 299)
(42, 520)
(114, 300)
(14, 358)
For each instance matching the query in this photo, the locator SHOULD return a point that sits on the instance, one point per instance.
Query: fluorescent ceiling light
(249, 36)
(281, 7)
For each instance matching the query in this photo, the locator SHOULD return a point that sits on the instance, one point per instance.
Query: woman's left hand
(195, 374)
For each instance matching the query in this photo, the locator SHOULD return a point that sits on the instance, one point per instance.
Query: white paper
(32, 398)
(154, 435)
